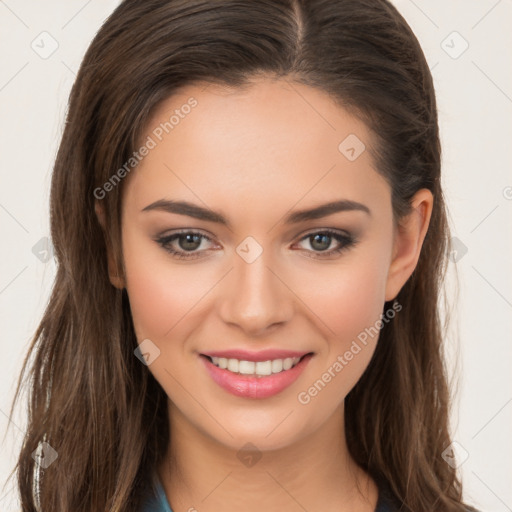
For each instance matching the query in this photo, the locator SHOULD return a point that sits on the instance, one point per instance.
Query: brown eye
(188, 243)
(321, 241)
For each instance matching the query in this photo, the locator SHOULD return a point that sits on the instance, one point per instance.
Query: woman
(250, 231)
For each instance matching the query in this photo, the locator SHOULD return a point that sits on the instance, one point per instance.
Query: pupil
(320, 236)
(191, 239)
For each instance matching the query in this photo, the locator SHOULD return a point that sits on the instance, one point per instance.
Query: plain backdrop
(468, 45)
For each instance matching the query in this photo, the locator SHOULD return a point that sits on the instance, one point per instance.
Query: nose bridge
(256, 299)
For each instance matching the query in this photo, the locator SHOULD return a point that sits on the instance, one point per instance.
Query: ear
(115, 279)
(409, 236)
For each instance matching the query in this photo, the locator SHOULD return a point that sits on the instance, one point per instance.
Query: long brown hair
(90, 398)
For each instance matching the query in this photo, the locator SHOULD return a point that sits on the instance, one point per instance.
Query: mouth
(255, 379)
(254, 368)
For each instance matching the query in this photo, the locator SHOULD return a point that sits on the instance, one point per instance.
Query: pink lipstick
(248, 374)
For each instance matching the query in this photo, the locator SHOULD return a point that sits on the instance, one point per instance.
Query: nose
(255, 298)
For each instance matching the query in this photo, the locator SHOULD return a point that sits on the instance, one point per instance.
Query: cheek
(350, 310)
(161, 293)
(346, 298)
(356, 300)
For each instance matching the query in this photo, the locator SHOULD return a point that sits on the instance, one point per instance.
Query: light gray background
(474, 90)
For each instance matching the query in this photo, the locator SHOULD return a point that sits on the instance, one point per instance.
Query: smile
(260, 368)
(255, 379)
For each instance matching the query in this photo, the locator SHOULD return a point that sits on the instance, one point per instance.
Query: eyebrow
(198, 212)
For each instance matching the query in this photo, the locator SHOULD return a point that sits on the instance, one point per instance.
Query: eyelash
(346, 241)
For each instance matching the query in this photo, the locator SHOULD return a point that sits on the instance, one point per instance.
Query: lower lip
(249, 386)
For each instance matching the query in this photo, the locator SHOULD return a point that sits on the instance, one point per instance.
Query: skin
(255, 155)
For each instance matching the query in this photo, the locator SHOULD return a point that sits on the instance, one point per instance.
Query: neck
(317, 474)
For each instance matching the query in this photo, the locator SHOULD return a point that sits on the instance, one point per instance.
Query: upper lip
(262, 355)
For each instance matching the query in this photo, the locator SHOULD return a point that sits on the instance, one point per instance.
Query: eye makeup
(168, 242)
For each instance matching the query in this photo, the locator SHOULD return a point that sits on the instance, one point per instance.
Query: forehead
(275, 140)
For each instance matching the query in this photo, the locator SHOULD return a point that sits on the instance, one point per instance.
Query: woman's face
(268, 282)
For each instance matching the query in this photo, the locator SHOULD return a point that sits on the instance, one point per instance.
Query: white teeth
(263, 368)
(287, 364)
(260, 368)
(246, 367)
(277, 365)
(233, 365)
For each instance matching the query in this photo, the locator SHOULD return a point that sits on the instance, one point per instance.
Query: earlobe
(114, 278)
(409, 236)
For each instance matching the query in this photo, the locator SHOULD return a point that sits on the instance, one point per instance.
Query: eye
(189, 244)
(186, 246)
(322, 240)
